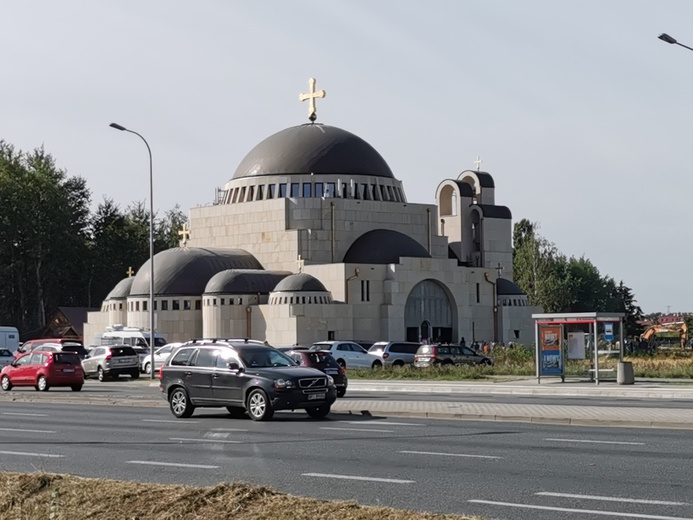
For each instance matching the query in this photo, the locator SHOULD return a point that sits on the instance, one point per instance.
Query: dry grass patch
(38, 495)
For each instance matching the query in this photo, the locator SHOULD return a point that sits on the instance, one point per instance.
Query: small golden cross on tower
(478, 163)
(130, 272)
(300, 262)
(311, 97)
(500, 269)
(184, 234)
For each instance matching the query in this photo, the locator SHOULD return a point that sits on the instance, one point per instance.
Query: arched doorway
(429, 313)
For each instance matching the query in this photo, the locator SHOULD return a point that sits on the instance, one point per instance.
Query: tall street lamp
(151, 245)
(666, 38)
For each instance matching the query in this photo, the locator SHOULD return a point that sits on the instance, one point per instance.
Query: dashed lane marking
(356, 430)
(597, 442)
(356, 477)
(215, 441)
(171, 464)
(20, 430)
(451, 454)
(383, 423)
(613, 499)
(168, 421)
(26, 414)
(27, 454)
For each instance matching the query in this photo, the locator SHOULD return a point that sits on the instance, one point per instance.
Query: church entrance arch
(429, 313)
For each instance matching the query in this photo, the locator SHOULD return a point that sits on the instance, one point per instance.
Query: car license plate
(68, 370)
(123, 361)
(331, 371)
(315, 397)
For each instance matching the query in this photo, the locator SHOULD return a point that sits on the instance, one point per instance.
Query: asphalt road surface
(514, 471)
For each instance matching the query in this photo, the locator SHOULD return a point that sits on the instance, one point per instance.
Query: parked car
(323, 361)
(393, 353)
(428, 355)
(160, 356)
(347, 353)
(33, 344)
(42, 370)
(6, 357)
(111, 361)
(243, 378)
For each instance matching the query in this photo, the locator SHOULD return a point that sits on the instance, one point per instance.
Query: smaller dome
(300, 282)
(244, 281)
(122, 290)
(383, 246)
(505, 287)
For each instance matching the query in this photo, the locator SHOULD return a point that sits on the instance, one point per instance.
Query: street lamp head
(118, 127)
(664, 37)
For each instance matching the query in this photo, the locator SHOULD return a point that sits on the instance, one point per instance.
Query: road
(499, 470)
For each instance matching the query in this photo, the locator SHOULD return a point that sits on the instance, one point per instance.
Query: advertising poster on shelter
(576, 345)
(551, 358)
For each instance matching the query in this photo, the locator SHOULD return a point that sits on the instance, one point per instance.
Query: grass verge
(64, 497)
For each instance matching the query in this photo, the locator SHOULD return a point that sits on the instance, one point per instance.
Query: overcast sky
(583, 117)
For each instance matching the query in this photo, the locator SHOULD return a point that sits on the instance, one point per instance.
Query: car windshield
(122, 351)
(264, 357)
(320, 346)
(66, 359)
(377, 346)
(322, 360)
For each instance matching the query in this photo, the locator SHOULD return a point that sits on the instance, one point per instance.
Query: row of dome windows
(317, 189)
(187, 305)
(513, 302)
(278, 300)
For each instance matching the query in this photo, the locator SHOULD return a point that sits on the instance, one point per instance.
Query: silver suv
(111, 361)
(394, 353)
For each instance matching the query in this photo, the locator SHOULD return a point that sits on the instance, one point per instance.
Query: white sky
(583, 117)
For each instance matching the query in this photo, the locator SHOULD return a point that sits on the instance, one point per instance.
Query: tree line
(55, 250)
(561, 284)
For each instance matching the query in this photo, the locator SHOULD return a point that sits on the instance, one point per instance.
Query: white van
(9, 338)
(134, 336)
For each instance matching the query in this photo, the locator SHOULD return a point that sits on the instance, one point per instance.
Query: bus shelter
(554, 343)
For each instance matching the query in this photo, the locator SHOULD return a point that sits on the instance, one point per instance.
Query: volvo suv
(243, 378)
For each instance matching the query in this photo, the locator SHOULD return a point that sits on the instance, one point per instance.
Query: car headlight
(330, 380)
(284, 383)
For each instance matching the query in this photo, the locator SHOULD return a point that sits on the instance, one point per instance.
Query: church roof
(491, 211)
(121, 290)
(505, 287)
(313, 148)
(300, 282)
(244, 281)
(186, 271)
(465, 189)
(383, 246)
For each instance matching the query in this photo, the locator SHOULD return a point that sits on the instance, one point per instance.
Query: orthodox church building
(314, 238)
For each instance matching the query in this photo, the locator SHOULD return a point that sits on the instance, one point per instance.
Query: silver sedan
(160, 356)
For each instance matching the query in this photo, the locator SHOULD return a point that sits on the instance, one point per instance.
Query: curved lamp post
(151, 245)
(666, 38)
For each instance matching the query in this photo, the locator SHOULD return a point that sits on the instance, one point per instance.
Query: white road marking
(218, 441)
(171, 464)
(168, 421)
(597, 442)
(583, 511)
(356, 430)
(354, 477)
(451, 454)
(383, 423)
(25, 431)
(27, 454)
(228, 430)
(26, 414)
(614, 499)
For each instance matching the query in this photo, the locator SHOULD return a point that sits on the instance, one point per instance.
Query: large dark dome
(313, 148)
(186, 271)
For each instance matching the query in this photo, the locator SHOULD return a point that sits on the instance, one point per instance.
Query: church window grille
(345, 192)
(260, 192)
(282, 190)
(364, 190)
(223, 301)
(365, 290)
(186, 305)
(286, 299)
(454, 204)
(307, 189)
(303, 298)
(357, 192)
(214, 301)
(198, 305)
(144, 306)
(241, 198)
(383, 196)
(240, 301)
(375, 193)
(164, 305)
(234, 196)
(291, 300)
(401, 195)
(329, 192)
(478, 293)
(155, 304)
(395, 195)
(310, 299)
(175, 305)
(330, 335)
(270, 191)
(251, 193)
(389, 193)
(295, 190)
(120, 306)
(230, 301)
(319, 189)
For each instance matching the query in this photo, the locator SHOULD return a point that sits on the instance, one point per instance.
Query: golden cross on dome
(184, 234)
(478, 163)
(311, 97)
(130, 272)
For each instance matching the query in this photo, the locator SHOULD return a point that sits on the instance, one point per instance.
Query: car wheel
(76, 388)
(376, 365)
(148, 368)
(341, 392)
(318, 412)
(398, 364)
(487, 362)
(135, 374)
(237, 412)
(258, 406)
(42, 384)
(6, 384)
(100, 374)
(180, 404)
(447, 363)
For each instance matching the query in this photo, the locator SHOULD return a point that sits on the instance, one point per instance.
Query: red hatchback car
(43, 370)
